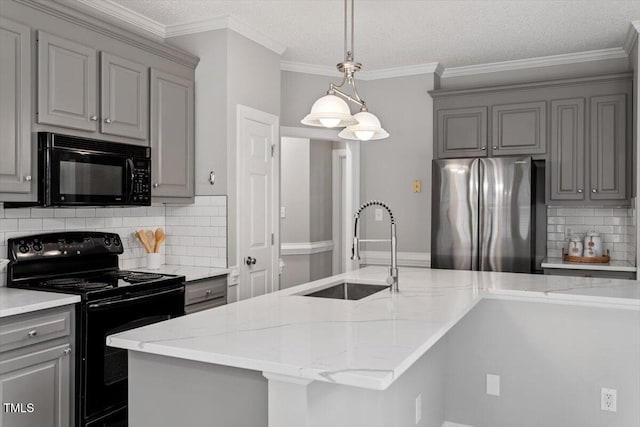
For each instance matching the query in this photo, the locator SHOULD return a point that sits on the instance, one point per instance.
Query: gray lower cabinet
(36, 369)
(204, 294)
(461, 132)
(605, 274)
(15, 107)
(172, 139)
(519, 129)
(67, 83)
(124, 97)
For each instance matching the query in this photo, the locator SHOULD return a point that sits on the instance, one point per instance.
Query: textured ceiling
(393, 33)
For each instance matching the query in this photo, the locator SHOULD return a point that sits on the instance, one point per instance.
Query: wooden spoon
(159, 239)
(150, 239)
(143, 239)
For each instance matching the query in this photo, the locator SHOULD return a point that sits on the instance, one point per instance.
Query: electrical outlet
(493, 385)
(378, 214)
(608, 399)
(418, 408)
(567, 233)
(417, 186)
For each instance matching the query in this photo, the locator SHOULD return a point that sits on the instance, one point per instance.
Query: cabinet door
(608, 147)
(172, 143)
(462, 132)
(15, 107)
(41, 378)
(67, 86)
(519, 129)
(567, 160)
(124, 97)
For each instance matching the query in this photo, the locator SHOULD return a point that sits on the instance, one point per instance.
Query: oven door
(104, 386)
(83, 178)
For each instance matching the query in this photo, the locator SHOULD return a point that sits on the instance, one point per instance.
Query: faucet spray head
(355, 250)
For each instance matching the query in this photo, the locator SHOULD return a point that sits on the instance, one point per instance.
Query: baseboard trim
(405, 259)
(450, 424)
(306, 248)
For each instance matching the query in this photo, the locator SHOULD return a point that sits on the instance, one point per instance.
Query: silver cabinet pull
(67, 351)
(212, 177)
(483, 148)
(108, 121)
(93, 118)
(27, 178)
(593, 190)
(156, 185)
(580, 191)
(32, 333)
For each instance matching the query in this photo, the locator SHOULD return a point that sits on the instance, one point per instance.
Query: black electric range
(112, 301)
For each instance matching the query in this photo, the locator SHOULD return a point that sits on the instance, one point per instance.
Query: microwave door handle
(132, 177)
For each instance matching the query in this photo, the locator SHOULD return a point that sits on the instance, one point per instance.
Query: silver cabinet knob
(156, 185)
(108, 121)
(212, 177)
(483, 148)
(495, 147)
(32, 333)
(593, 190)
(27, 178)
(580, 191)
(93, 118)
(208, 292)
(67, 351)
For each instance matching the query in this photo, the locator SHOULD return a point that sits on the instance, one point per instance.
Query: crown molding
(632, 36)
(385, 73)
(224, 22)
(124, 14)
(544, 61)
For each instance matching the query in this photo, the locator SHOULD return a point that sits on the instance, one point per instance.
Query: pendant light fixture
(332, 111)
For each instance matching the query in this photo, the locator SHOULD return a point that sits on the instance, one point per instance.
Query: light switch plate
(283, 212)
(493, 385)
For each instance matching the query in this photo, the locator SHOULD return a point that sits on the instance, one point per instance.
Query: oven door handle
(106, 304)
(132, 178)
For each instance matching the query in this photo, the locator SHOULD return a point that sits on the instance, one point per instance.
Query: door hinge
(273, 149)
(272, 238)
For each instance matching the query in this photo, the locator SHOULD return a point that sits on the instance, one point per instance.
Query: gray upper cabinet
(67, 83)
(461, 132)
(124, 97)
(567, 158)
(519, 129)
(608, 147)
(15, 107)
(172, 139)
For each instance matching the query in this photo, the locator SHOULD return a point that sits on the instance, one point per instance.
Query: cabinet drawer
(205, 305)
(34, 330)
(206, 290)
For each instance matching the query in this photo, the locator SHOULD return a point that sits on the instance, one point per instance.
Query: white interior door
(257, 200)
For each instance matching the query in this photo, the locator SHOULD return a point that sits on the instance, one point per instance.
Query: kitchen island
(285, 359)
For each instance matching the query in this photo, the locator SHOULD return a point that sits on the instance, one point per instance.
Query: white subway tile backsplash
(616, 225)
(199, 243)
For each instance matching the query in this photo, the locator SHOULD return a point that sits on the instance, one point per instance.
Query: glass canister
(575, 245)
(593, 244)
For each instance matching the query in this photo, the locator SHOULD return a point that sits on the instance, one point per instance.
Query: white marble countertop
(18, 301)
(190, 273)
(605, 266)
(366, 343)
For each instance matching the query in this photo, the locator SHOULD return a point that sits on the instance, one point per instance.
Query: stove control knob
(116, 241)
(37, 246)
(107, 241)
(23, 249)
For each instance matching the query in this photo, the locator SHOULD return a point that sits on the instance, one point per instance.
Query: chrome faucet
(355, 250)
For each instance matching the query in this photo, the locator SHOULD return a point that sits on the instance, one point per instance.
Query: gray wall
(320, 193)
(251, 77)
(294, 182)
(388, 167)
(552, 359)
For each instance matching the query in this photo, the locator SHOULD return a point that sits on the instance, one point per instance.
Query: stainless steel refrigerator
(483, 214)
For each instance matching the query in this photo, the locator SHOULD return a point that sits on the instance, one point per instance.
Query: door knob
(250, 261)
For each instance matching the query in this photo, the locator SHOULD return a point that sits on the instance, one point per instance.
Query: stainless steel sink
(347, 291)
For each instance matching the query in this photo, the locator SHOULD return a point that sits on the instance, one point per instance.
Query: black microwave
(75, 171)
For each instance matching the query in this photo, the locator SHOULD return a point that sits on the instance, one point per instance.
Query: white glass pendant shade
(367, 129)
(329, 111)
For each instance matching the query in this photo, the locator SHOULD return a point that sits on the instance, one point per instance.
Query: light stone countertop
(366, 343)
(190, 273)
(608, 266)
(18, 301)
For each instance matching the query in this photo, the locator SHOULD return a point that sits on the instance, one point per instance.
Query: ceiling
(400, 33)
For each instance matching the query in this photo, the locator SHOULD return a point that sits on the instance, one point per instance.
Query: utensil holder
(154, 261)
